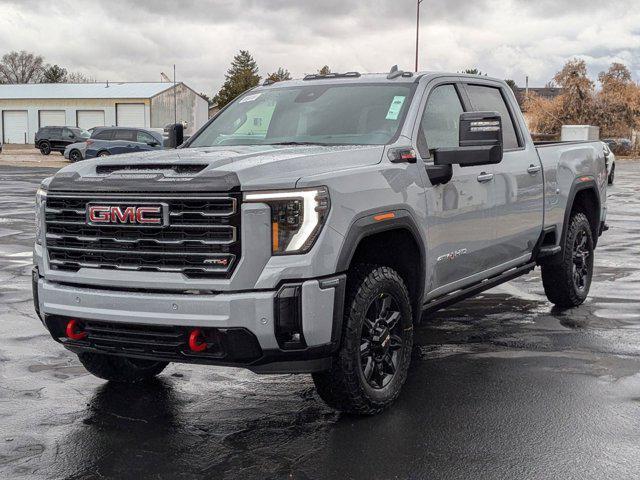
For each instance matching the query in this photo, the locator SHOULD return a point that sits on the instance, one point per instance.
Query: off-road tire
(558, 277)
(45, 148)
(344, 386)
(120, 369)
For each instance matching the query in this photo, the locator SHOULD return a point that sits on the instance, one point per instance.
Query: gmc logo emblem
(144, 215)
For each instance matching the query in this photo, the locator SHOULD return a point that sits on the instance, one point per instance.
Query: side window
(439, 126)
(144, 137)
(67, 134)
(127, 135)
(103, 135)
(490, 99)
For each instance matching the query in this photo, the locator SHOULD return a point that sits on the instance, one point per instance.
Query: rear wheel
(45, 148)
(120, 369)
(567, 283)
(371, 366)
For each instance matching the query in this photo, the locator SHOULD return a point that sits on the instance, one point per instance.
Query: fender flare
(366, 226)
(579, 184)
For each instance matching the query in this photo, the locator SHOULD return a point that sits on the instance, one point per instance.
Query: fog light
(288, 321)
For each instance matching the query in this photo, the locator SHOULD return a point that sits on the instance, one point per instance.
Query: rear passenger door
(518, 180)
(124, 141)
(460, 230)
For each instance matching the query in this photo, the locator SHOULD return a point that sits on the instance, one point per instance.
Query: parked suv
(307, 227)
(56, 139)
(107, 141)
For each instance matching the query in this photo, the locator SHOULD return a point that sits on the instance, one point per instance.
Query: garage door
(15, 126)
(52, 118)
(130, 115)
(90, 118)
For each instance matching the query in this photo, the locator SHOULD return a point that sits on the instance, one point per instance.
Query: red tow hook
(196, 341)
(74, 331)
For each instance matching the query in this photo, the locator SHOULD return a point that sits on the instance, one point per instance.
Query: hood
(210, 169)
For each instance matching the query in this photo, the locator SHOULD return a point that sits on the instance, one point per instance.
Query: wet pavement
(501, 386)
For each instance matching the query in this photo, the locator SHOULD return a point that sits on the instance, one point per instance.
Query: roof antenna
(394, 73)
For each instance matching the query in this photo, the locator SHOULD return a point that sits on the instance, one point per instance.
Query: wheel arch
(584, 196)
(383, 229)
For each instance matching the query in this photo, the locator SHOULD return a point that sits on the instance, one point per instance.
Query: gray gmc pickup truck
(307, 228)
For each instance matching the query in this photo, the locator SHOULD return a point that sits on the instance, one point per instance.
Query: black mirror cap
(468, 156)
(175, 135)
(480, 129)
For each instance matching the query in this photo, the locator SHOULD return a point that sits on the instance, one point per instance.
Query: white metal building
(25, 108)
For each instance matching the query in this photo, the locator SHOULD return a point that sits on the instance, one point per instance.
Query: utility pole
(417, 29)
(175, 98)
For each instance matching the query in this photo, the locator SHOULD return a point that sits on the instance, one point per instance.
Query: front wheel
(371, 366)
(120, 369)
(612, 174)
(104, 153)
(75, 156)
(567, 282)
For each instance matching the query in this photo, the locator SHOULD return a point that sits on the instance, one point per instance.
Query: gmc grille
(201, 239)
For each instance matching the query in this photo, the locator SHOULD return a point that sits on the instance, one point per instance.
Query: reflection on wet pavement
(502, 386)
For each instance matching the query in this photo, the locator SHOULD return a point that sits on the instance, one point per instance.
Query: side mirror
(480, 137)
(175, 135)
(152, 144)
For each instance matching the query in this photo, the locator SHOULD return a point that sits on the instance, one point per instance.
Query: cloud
(136, 40)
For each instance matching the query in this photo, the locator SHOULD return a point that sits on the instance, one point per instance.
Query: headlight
(297, 217)
(41, 197)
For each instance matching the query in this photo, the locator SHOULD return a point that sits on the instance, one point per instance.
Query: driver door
(460, 228)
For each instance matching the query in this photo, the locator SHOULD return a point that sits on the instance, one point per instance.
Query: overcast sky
(136, 40)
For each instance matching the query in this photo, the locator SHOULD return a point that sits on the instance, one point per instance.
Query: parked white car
(610, 160)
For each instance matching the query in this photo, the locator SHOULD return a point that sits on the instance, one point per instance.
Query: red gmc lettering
(99, 214)
(107, 214)
(126, 216)
(140, 218)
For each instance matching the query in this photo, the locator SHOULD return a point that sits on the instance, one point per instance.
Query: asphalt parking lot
(502, 386)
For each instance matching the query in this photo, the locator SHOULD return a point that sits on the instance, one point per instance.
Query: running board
(476, 288)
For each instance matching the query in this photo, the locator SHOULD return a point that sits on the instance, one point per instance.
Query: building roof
(83, 90)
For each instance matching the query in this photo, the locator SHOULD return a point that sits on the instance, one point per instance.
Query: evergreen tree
(54, 74)
(279, 75)
(512, 84)
(242, 76)
(324, 70)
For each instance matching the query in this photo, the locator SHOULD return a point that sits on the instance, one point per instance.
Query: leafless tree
(21, 67)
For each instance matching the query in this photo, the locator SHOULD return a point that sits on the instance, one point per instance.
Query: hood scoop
(145, 169)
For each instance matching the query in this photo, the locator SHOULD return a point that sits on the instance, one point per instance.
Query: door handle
(485, 177)
(533, 169)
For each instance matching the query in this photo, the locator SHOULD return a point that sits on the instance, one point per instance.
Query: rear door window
(127, 135)
(103, 135)
(490, 99)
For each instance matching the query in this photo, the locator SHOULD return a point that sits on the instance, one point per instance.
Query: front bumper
(255, 312)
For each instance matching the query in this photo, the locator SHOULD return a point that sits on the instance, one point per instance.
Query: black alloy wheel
(380, 341)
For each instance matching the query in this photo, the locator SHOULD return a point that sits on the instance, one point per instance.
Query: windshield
(79, 132)
(314, 114)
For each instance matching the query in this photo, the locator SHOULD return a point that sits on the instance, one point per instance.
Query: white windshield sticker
(395, 107)
(250, 98)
